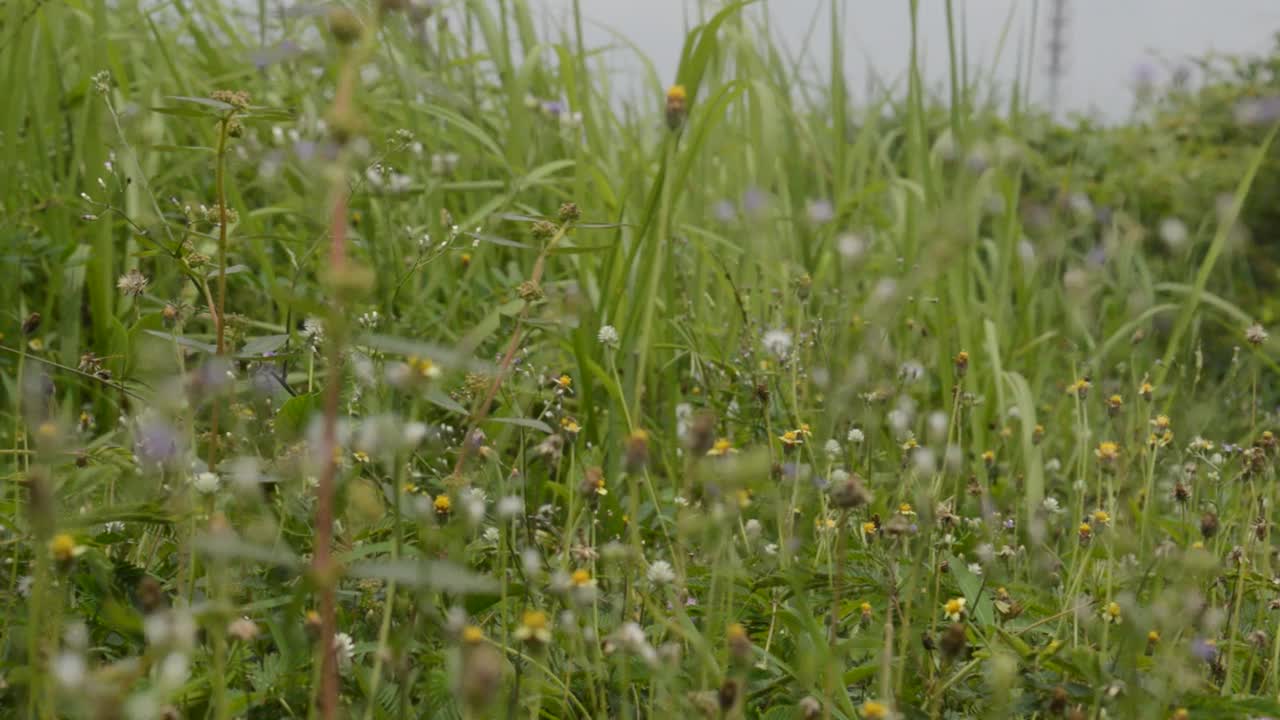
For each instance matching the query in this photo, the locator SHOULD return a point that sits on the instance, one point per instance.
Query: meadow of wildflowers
(380, 361)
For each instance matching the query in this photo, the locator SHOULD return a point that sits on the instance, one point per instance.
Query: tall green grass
(898, 291)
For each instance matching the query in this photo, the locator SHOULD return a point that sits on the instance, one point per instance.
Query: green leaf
(439, 575)
(495, 240)
(151, 513)
(524, 422)
(228, 546)
(971, 589)
(183, 341)
(294, 414)
(439, 399)
(260, 346)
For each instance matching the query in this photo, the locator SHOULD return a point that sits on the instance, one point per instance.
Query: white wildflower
(660, 573)
(70, 670)
(608, 336)
(345, 648)
(777, 342)
(206, 483)
(1173, 232)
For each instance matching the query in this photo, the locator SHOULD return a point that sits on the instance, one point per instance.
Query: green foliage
(771, 402)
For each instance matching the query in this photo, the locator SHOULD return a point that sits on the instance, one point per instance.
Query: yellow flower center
(872, 710)
(63, 546)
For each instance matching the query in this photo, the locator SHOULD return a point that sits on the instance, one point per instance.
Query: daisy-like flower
(1080, 388)
(721, 448)
(563, 384)
(582, 586)
(1101, 518)
(906, 509)
(570, 426)
(874, 710)
(64, 549)
(472, 635)
(1107, 452)
(424, 368)
(1085, 531)
(791, 439)
(535, 628)
(1114, 404)
(1111, 613)
(869, 528)
(677, 106)
(954, 609)
(593, 483)
(442, 504)
(1145, 390)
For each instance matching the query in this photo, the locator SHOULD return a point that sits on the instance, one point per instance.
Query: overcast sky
(1107, 39)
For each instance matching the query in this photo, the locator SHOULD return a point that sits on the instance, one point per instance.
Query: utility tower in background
(1058, 26)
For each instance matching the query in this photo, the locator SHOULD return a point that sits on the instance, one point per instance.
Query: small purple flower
(725, 211)
(1009, 524)
(1097, 256)
(754, 200)
(1204, 649)
(157, 444)
(304, 149)
(554, 108)
(820, 212)
(1258, 111)
(1144, 78)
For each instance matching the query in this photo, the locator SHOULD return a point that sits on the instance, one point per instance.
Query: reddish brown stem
(481, 411)
(322, 557)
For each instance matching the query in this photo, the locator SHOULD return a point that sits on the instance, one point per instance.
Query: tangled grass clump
(388, 365)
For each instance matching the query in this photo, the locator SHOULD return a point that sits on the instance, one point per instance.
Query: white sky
(1107, 39)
